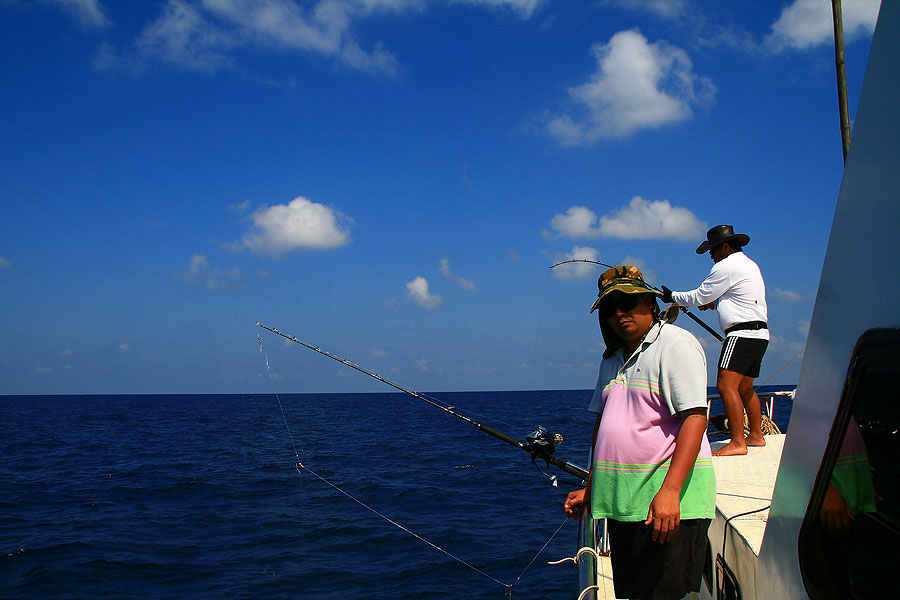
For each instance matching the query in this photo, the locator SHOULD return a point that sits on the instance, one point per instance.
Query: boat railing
(591, 534)
(767, 399)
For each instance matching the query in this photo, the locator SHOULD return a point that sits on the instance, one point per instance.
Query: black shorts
(743, 355)
(649, 570)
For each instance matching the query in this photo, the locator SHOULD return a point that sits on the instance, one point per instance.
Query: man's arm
(575, 501)
(665, 509)
(716, 283)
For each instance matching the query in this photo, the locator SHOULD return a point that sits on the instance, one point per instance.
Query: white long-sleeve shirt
(736, 285)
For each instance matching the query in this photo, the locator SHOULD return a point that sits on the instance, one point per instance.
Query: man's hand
(835, 516)
(667, 295)
(574, 504)
(665, 514)
(710, 306)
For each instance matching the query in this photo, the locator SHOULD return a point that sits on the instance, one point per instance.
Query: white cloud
(241, 207)
(525, 8)
(512, 254)
(89, 12)
(466, 284)
(124, 347)
(577, 222)
(421, 364)
(43, 370)
(5, 265)
(67, 352)
(637, 85)
(201, 34)
(791, 296)
(809, 23)
(664, 9)
(378, 353)
(200, 272)
(640, 219)
(184, 36)
(643, 219)
(641, 264)
(417, 290)
(300, 225)
(577, 271)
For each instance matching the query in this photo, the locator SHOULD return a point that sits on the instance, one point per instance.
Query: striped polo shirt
(639, 398)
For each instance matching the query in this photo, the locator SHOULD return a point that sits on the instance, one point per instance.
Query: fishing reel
(540, 443)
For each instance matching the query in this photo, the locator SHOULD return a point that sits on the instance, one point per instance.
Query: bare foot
(731, 449)
(755, 441)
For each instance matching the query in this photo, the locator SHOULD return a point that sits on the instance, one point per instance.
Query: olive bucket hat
(623, 278)
(628, 280)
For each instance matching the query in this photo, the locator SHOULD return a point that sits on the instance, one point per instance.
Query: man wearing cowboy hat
(735, 288)
(651, 471)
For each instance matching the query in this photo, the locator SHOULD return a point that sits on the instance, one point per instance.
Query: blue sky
(390, 180)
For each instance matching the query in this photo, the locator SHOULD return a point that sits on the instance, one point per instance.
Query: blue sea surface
(159, 497)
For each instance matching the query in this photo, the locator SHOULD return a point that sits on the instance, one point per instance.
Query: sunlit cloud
(641, 264)
(417, 291)
(89, 13)
(803, 329)
(199, 272)
(664, 9)
(576, 271)
(525, 8)
(299, 225)
(637, 85)
(204, 34)
(640, 219)
(791, 296)
(806, 24)
(466, 284)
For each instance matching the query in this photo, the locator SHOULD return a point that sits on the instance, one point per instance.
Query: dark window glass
(850, 538)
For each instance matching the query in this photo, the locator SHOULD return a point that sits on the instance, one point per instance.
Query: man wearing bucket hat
(735, 288)
(651, 471)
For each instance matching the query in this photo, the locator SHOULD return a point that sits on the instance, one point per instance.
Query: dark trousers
(649, 570)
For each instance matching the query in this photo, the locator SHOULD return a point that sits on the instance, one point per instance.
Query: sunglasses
(623, 302)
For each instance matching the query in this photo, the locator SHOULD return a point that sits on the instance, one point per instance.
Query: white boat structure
(780, 531)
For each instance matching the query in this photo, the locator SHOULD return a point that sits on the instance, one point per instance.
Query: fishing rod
(683, 309)
(540, 444)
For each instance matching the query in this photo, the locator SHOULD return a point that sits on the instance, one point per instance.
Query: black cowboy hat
(719, 235)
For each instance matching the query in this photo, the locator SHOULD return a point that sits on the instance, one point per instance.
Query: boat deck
(605, 580)
(746, 483)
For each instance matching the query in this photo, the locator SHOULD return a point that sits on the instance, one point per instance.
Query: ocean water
(158, 497)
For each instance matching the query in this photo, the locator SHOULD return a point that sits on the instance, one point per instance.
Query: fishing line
(268, 372)
(683, 309)
(300, 467)
(539, 443)
(780, 370)
(398, 525)
(473, 413)
(542, 549)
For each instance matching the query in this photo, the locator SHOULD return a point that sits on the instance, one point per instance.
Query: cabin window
(851, 531)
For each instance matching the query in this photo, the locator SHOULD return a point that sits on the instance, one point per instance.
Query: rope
(577, 558)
